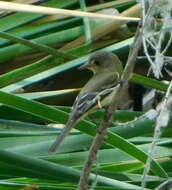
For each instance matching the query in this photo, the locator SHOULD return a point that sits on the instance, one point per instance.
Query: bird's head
(103, 61)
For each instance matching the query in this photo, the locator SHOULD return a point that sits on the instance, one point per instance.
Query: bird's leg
(101, 94)
(98, 101)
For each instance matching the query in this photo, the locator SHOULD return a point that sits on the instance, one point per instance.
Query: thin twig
(168, 44)
(161, 121)
(156, 66)
(153, 36)
(111, 108)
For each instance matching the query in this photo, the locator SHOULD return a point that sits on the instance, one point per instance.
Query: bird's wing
(88, 100)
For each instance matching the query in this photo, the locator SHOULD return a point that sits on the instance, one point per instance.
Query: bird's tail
(61, 137)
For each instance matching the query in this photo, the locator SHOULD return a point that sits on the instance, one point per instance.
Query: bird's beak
(84, 66)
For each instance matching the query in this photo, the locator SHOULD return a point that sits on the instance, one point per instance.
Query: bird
(97, 92)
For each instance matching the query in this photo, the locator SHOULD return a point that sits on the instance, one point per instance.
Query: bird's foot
(99, 103)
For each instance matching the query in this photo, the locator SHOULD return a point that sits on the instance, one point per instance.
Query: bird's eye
(96, 62)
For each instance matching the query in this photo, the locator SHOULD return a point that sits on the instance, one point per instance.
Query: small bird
(98, 91)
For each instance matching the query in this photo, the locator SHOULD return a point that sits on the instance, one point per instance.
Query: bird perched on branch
(98, 91)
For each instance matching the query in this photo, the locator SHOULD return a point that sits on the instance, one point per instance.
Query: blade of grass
(35, 68)
(148, 82)
(19, 19)
(34, 31)
(47, 170)
(52, 11)
(39, 95)
(12, 51)
(41, 110)
(37, 46)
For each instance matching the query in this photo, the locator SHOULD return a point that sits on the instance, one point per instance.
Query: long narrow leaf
(35, 45)
(59, 116)
(47, 170)
(19, 19)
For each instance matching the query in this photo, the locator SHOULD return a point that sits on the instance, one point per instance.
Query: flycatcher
(98, 91)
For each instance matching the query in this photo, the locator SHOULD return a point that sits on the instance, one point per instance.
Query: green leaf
(36, 168)
(41, 110)
(148, 82)
(36, 46)
(19, 19)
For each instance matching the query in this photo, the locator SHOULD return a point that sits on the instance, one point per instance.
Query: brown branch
(111, 108)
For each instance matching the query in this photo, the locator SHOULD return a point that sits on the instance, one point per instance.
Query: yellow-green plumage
(97, 92)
